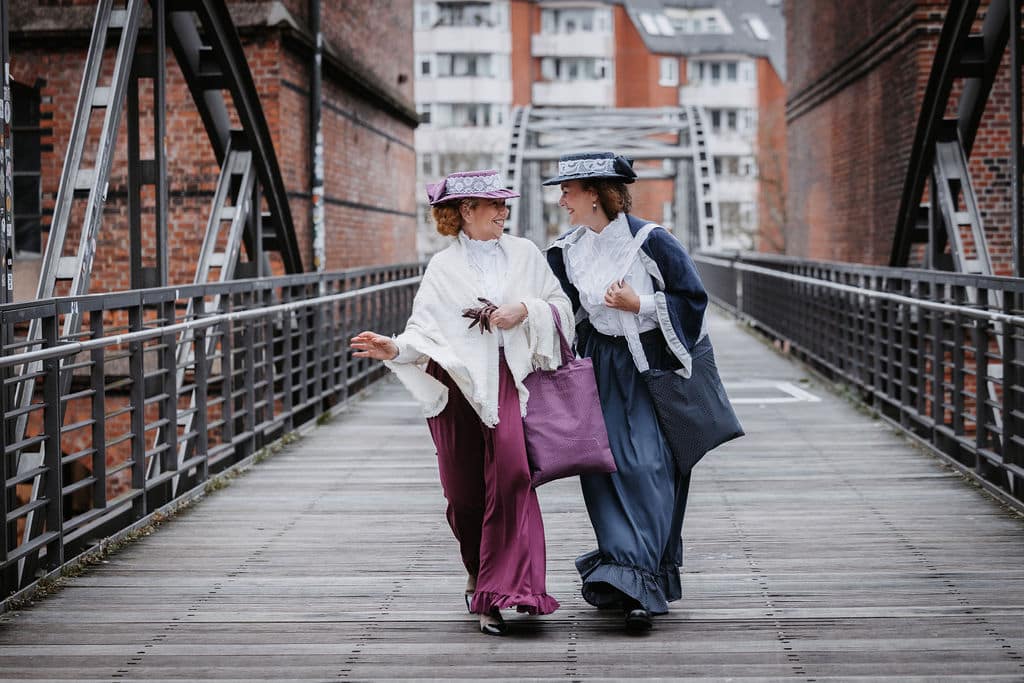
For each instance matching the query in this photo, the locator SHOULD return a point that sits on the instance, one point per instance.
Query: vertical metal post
(6, 167)
(52, 451)
(169, 404)
(983, 412)
(5, 573)
(201, 373)
(159, 75)
(227, 379)
(141, 172)
(99, 422)
(316, 140)
(135, 180)
(137, 398)
(1015, 140)
(287, 361)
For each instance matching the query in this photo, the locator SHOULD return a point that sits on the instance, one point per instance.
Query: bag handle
(566, 349)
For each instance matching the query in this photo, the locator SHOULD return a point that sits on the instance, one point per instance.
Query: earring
(594, 206)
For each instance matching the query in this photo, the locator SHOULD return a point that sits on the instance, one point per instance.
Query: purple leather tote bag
(564, 426)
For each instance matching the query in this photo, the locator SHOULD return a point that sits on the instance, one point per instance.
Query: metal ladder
(232, 204)
(704, 179)
(951, 174)
(75, 181)
(512, 168)
(952, 178)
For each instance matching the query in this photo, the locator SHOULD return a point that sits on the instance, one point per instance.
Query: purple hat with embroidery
(483, 184)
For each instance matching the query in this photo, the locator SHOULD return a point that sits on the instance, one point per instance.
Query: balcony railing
(162, 389)
(940, 355)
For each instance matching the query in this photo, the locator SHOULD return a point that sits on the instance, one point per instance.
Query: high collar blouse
(487, 258)
(597, 260)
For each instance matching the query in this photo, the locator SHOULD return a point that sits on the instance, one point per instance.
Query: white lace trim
(598, 259)
(473, 184)
(582, 166)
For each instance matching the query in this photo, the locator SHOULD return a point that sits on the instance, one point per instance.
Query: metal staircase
(212, 61)
(218, 258)
(512, 165)
(704, 179)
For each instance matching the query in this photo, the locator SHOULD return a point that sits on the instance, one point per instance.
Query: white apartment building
(463, 91)
(576, 52)
(464, 85)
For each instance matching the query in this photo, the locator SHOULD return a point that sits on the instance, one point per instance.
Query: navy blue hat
(593, 165)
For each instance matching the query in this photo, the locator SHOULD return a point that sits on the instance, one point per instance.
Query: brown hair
(613, 195)
(448, 217)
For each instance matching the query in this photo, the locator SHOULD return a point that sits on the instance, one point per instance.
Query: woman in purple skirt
(469, 379)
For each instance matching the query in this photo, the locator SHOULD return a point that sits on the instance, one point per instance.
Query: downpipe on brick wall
(316, 141)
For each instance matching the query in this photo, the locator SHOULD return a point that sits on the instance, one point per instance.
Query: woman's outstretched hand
(623, 297)
(373, 345)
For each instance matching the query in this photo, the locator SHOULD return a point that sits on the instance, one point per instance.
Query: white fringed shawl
(437, 330)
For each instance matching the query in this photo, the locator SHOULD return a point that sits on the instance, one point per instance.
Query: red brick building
(368, 119)
(857, 74)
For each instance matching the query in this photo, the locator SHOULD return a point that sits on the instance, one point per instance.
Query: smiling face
(485, 220)
(579, 203)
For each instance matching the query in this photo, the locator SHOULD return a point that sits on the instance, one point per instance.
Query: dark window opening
(26, 135)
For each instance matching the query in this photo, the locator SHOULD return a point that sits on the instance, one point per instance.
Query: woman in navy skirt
(631, 283)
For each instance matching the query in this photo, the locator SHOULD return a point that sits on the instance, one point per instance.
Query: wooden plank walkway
(821, 547)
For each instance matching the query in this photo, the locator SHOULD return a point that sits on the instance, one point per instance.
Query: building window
(464, 14)
(424, 15)
(668, 71)
(27, 134)
(424, 62)
(576, 20)
(464, 65)
(424, 111)
(574, 68)
(698, 20)
(467, 115)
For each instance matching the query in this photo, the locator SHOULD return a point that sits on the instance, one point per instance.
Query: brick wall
(856, 79)
(637, 69)
(368, 148)
(771, 159)
(524, 21)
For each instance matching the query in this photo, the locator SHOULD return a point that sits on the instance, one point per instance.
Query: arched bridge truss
(677, 136)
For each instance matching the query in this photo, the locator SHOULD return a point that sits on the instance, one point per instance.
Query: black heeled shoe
(469, 600)
(499, 628)
(638, 619)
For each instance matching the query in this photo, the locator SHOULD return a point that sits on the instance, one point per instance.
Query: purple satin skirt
(492, 509)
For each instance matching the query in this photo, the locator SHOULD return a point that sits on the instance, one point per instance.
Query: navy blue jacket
(680, 297)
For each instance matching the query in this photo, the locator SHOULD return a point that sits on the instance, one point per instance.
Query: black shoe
(638, 619)
(497, 629)
(469, 601)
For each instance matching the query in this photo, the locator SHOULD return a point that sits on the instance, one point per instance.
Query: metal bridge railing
(123, 422)
(938, 354)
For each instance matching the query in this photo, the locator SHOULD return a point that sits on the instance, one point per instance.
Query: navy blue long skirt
(637, 512)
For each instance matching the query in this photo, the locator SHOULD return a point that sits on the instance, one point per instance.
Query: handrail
(72, 348)
(981, 314)
(935, 354)
(164, 388)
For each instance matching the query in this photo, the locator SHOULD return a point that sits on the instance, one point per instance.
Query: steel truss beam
(212, 61)
(674, 135)
(943, 145)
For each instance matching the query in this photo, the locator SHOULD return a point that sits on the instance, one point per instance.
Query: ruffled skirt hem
(606, 582)
(539, 603)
